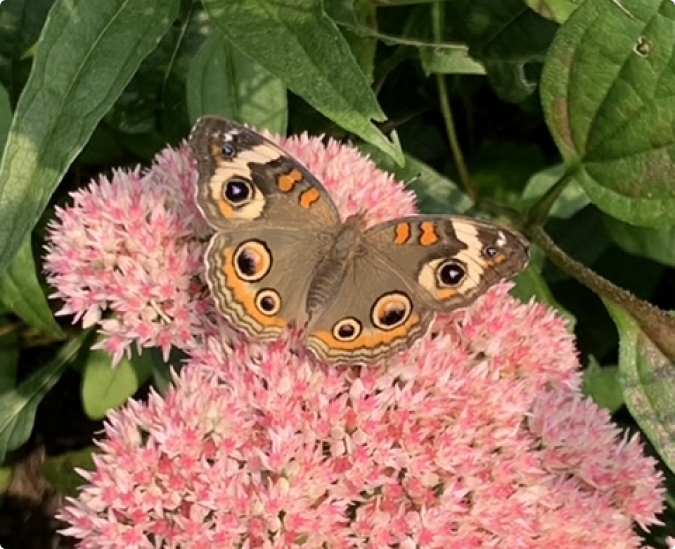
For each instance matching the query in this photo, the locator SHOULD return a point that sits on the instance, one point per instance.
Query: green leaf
(571, 201)
(105, 386)
(435, 192)
(87, 53)
(657, 244)
(21, 292)
(647, 376)
(357, 17)
(603, 386)
(556, 10)
(607, 91)
(60, 470)
(449, 60)
(18, 406)
(302, 46)
(223, 81)
(507, 37)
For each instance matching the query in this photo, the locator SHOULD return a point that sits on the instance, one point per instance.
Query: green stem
(464, 176)
(655, 323)
(539, 212)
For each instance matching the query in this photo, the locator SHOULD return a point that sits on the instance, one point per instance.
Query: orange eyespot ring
(391, 310)
(252, 260)
(450, 273)
(347, 329)
(268, 302)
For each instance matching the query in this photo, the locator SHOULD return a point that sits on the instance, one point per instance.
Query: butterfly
(281, 254)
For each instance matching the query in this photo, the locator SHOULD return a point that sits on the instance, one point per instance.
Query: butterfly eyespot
(347, 329)
(490, 251)
(252, 260)
(391, 310)
(268, 302)
(237, 191)
(450, 273)
(228, 150)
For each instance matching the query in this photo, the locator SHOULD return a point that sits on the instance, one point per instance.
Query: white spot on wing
(501, 240)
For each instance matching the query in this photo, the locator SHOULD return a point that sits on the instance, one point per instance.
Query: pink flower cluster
(125, 256)
(476, 437)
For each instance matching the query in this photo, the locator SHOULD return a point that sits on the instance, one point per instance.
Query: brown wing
(260, 278)
(453, 259)
(245, 177)
(409, 268)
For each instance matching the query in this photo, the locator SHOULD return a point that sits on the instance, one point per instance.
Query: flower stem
(464, 176)
(654, 322)
(539, 212)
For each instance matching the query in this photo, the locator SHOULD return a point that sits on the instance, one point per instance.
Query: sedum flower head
(124, 256)
(461, 442)
(476, 437)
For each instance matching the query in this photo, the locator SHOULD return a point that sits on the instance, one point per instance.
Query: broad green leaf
(508, 38)
(657, 243)
(603, 386)
(21, 292)
(647, 376)
(60, 470)
(557, 10)
(223, 81)
(87, 52)
(105, 386)
(607, 91)
(299, 44)
(18, 406)
(450, 60)
(572, 199)
(357, 17)
(435, 192)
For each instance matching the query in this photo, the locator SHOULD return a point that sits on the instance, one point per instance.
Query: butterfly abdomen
(345, 247)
